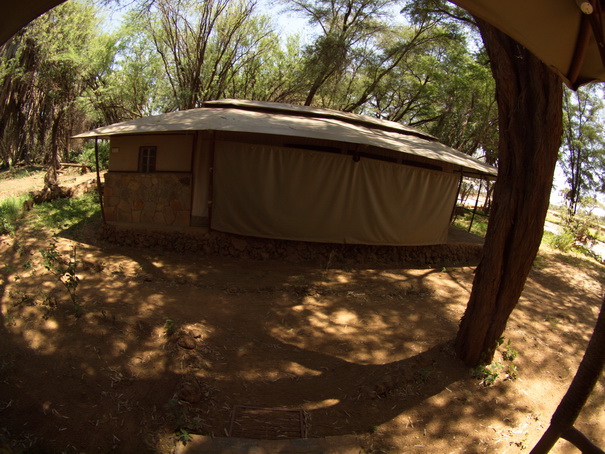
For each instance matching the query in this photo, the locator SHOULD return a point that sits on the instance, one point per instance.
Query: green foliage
(65, 213)
(87, 155)
(539, 261)
(510, 354)
(511, 372)
(479, 226)
(580, 233)
(170, 327)
(563, 241)
(582, 155)
(64, 269)
(43, 72)
(14, 173)
(11, 209)
(177, 413)
(488, 374)
(184, 436)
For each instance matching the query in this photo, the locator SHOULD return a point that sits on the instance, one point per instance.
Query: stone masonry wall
(148, 198)
(215, 243)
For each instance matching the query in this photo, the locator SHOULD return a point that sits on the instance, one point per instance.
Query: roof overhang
(280, 122)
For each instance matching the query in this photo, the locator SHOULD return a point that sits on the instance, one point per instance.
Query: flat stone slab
(200, 444)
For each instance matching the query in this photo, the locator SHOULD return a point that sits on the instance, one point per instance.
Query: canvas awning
(288, 123)
(567, 35)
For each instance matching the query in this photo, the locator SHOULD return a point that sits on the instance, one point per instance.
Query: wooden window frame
(148, 159)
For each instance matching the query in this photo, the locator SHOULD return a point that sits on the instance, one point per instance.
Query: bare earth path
(171, 340)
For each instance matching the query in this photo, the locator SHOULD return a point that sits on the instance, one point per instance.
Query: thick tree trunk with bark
(530, 121)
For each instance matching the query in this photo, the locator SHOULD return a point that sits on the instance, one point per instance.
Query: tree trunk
(563, 419)
(530, 122)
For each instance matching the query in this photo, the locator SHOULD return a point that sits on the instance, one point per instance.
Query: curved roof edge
(319, 112)
(276, 121)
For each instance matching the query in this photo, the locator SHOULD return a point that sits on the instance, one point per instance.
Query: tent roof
(562, 33)
(319, 112)
(298, 121)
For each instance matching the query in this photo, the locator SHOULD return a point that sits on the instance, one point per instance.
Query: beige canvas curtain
(285, 193)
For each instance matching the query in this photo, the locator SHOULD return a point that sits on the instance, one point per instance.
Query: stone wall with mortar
(160, 199)
(215, 243)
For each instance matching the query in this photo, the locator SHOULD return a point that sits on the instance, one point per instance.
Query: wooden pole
(99, 189)
(476, 205)
(211, 151)
(453, 215)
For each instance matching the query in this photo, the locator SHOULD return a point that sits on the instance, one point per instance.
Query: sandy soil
(168, 341)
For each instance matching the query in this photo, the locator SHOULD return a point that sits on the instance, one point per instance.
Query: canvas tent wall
(288, 172)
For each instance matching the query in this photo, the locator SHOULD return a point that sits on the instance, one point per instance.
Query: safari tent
(285, 172)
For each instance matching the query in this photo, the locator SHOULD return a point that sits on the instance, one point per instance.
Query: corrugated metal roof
(298, 121)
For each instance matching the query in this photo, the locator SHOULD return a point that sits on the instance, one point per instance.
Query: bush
(87, 155)
(11, 210)
(65, 213)
(563, 241)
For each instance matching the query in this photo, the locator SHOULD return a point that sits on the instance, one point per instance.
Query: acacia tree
(204, 45)
(345, 26)
(583, 151)
(271, 74)
(130, 82)
(394, 48)
(529, 97)
(44, 70)
(530, 118)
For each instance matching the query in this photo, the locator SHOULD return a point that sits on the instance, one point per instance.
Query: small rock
(186, 341)
(239, 244)
(196, 333)
(189, 391)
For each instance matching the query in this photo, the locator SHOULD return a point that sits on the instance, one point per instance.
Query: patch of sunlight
(324, 322)
(344, 317)
(159, 331)
(152, 302)
(342, 279)
(51, 324)
(38, 341)
(264, 375)
(308, 406)
(298, 308)
(395, 277)
(119, 347)
(387, 323)
(300, 370)
(372, 357)
(312, 301)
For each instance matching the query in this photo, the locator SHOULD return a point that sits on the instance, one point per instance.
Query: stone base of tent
(463, 248)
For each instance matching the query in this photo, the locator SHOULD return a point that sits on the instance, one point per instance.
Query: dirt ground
(170, 341)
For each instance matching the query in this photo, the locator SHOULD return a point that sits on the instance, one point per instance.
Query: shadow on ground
(172, 342)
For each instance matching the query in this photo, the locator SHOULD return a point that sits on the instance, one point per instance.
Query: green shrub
(64, 213)
(87, 155)
(11, 210)
(15, 173)
(563, 241)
